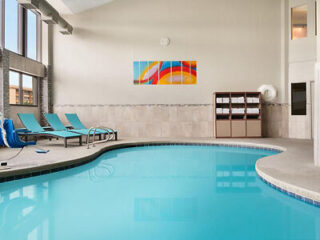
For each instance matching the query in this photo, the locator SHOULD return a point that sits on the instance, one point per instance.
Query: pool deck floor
(292, 170)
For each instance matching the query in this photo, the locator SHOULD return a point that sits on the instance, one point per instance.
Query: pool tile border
(210, 144)
(291, 194)
(41, 172)
(120, 146)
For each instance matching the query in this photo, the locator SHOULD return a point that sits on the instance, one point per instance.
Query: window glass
(32, 35)
(11, 25)
(27, 90)
(299, 18)
(14, 89)
(298, 99)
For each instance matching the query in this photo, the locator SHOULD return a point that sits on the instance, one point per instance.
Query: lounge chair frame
(77, 131)
(47, 134)
(81, 126)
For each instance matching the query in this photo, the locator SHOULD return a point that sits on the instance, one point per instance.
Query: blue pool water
(152, 193)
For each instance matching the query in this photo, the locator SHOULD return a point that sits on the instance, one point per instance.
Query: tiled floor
(292, 170)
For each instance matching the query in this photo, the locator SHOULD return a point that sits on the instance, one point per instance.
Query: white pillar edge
(317, 116)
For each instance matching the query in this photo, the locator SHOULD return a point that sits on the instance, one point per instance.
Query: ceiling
(76, 6)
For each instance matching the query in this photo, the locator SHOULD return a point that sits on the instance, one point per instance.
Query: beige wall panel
(237, 45)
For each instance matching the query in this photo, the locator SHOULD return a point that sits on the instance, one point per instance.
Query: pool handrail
(94, 129)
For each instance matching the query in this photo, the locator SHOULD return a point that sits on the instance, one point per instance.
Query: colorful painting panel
(144, 74)
(176, 73)
(154, 68)
(136, 73)
(189, 72)
(165, 72)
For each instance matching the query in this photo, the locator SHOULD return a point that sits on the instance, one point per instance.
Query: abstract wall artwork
(164, 72)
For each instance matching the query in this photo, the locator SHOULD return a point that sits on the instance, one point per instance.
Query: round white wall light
(164, 42)
(269, 92)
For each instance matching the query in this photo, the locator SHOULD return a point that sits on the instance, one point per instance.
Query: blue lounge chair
(11, 135)
(34, 128)
(77, 124)
(55, 122)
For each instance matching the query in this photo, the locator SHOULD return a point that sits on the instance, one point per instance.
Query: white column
(317, 116)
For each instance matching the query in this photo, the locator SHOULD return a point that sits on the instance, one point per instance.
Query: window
(22, 89)
(11, 25)
(31, 35)
(14, 88)
(22, 30)
(298, 99)
(28, 90)
(299, 18)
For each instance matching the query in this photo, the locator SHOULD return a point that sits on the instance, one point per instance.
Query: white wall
(238, 46)
(317, 116)
(302, 58)
(317, 100)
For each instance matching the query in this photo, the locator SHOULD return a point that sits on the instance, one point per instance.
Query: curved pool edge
(303, 194)
(292, 172)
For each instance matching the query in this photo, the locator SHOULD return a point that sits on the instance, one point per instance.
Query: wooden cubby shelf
(237, 114)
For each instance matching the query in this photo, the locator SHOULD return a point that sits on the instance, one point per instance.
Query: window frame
(23, 31)
(19, 84)
(38, 34)
(2, 16)
(35, 90)
(3, 25)
(292, 22)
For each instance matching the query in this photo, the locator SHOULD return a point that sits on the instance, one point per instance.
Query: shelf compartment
(223, 128)
(238, 116)
(253, 98)
(253, 128)
(238, 128)
(253, 117)
(222, 117)
(238, 98)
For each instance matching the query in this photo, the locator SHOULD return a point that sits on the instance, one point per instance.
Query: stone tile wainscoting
(165, 120)
(275, 119)
(146, 120)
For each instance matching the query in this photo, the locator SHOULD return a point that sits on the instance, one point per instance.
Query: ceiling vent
(48, 14)
(50, 19)
(29, 4)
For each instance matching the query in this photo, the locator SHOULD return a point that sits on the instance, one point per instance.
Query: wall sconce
(164, 42)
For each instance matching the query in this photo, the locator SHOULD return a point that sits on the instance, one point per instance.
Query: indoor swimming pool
(167, 192)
